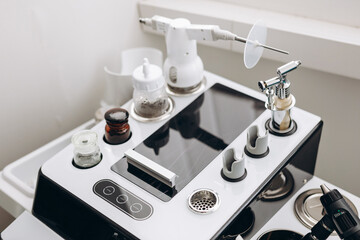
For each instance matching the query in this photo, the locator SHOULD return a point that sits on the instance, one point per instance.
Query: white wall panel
(52, 55)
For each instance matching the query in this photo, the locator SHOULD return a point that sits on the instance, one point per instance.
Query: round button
(108, 190)
(136, 207)
(122, 198)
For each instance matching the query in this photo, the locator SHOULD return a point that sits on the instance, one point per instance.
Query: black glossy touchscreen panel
(190, 140)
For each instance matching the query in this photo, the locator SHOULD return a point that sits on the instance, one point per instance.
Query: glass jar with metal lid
(86, 150)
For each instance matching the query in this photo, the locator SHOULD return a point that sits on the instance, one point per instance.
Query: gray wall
(52, 55)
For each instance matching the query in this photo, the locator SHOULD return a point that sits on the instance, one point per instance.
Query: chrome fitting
(280, 100)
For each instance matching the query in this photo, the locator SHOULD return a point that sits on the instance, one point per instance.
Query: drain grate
(204, 201)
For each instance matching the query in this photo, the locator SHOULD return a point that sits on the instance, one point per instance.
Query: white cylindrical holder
(118, 74)
(117, 88)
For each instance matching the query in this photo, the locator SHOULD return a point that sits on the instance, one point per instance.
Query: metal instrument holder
(280, 101)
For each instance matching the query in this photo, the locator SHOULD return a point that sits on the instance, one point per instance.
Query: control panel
(122, 199)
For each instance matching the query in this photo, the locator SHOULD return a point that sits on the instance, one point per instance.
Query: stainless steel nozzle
(273, 49)
(324, 188)
(268, 83)
(244, 40)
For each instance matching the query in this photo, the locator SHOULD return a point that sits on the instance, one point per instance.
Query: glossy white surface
(173, 218)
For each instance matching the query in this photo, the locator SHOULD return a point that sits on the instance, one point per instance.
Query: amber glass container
(117, 129)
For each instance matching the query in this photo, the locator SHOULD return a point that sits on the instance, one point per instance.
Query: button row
(123, 199)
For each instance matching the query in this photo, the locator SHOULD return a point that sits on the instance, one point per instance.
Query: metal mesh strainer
(204, 201)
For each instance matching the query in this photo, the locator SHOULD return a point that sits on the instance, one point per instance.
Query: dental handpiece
(338, 216)
(346, 222)
(203, 32)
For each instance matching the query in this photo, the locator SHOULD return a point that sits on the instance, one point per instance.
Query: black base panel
(70, 217)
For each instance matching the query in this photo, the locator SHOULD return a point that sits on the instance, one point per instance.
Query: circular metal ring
(204, 201)
(166, 115)
(309, 210)
(183, 92)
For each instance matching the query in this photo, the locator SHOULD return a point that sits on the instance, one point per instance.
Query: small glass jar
(117, 129)
(86, 150)
(149, 96)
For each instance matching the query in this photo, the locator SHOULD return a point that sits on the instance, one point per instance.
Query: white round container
(149, 96)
